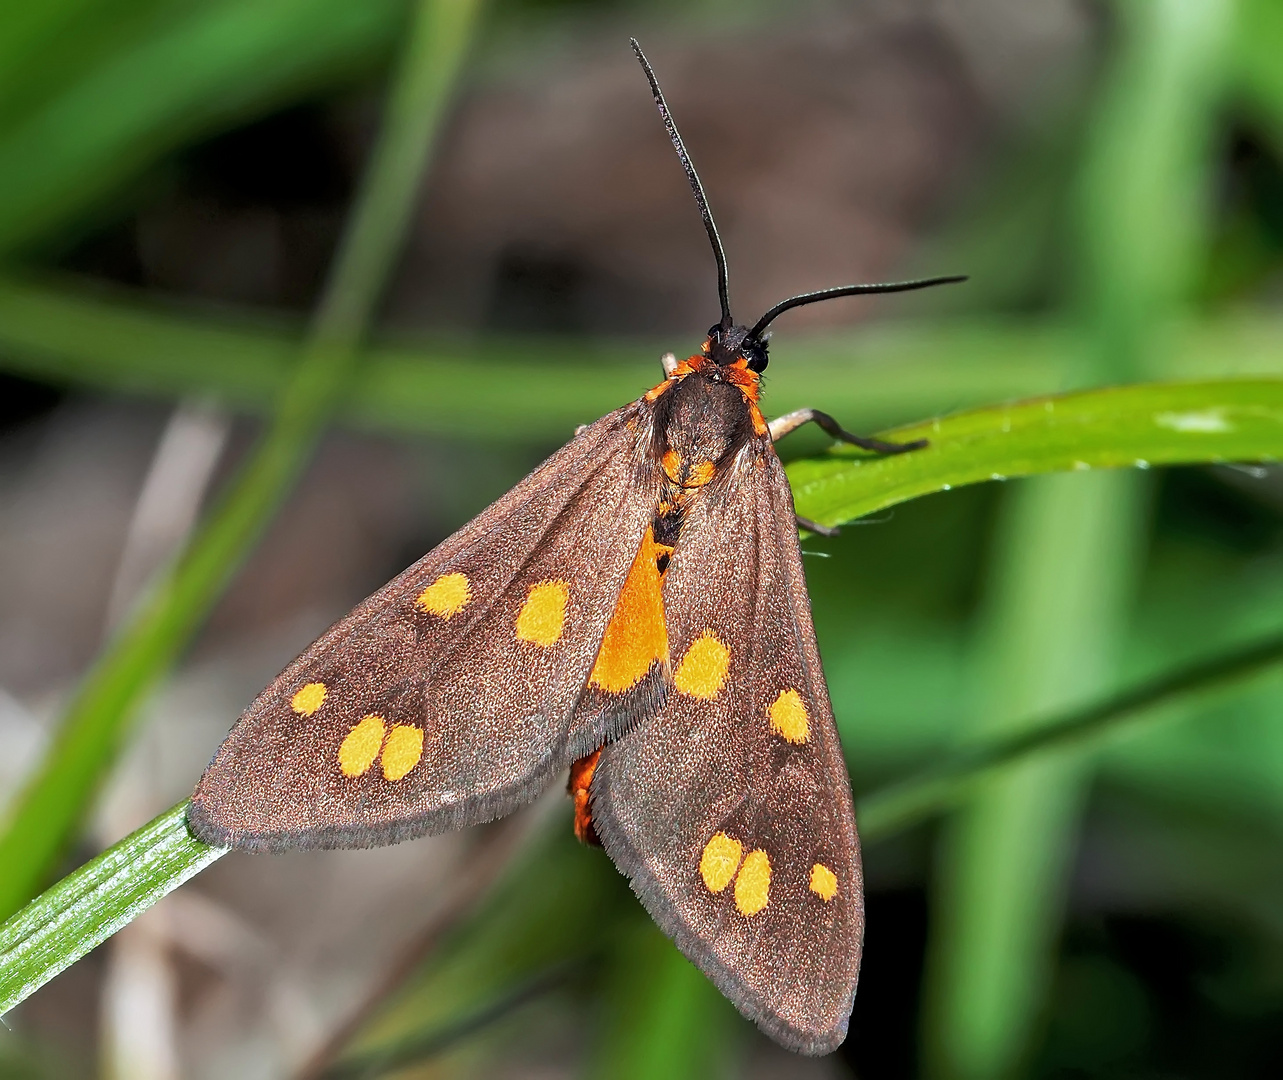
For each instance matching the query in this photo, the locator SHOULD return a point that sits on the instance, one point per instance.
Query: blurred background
(174, 182)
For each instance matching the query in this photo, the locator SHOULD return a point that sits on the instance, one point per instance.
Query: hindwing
(730, 810)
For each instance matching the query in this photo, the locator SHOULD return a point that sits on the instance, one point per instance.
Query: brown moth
(634, 611)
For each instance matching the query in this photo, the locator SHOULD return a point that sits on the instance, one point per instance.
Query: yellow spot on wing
(636, 636)
(703, 668)
(720, 860)
(402, 751)
(789, 717)
(309, 699)
(753, 885)
(447, 596)
(824, 882)
(544, 613)
(361, 747)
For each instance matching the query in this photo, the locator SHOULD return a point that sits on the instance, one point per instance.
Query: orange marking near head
(653, 393)
(636, 636)
(741, 375)
(675, 376)
(760, 427)
(581, 773)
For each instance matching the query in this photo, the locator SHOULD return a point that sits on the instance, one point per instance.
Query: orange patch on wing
(672, 464)
(720, 860)
(701, 474)
(447, 596)
(789, 717)
(543, 616)
(581, 773)
(636, 636)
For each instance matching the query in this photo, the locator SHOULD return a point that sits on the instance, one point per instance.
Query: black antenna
(693, 177)
(846, 290)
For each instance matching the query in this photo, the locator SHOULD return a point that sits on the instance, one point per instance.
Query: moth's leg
(790, 422)
(815, 526)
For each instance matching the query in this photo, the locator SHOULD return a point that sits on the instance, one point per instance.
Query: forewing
(447, 697)
(730, 810)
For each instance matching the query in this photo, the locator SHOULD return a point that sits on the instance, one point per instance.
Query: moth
(635, 612)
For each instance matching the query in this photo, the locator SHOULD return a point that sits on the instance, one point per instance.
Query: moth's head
(724, 347)
(728, 342)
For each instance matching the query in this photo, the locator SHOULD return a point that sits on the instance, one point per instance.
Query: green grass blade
(221, 61)
(908, 802)
(1142, 425)
(1257, 41)
(96, 722)
(664, 1020)
(537, 387)
(88, 906)
(1065, 574)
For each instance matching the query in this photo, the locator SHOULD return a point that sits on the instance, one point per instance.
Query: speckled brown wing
(730, 810)
(447, 698)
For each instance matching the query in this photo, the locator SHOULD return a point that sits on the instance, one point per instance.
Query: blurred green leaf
(1144, 425)
(909, 801)
(1069, 549)
(200, 68)
(1258, 43)
(666, 1021)
(96, 722)
(536, 387)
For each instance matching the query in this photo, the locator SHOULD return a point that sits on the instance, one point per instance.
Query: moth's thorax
(701, 422)
(704, 413)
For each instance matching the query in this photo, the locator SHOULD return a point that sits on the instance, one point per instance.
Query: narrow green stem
(907, 802)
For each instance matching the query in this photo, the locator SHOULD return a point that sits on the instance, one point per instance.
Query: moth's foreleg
(790, 422)
(816, 527)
